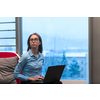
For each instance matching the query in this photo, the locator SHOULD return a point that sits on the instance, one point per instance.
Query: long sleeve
(18, 69)
(41, 72)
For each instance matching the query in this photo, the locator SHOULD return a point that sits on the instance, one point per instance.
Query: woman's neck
(34, 51)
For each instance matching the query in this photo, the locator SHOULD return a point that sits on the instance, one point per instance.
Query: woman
(31, 62)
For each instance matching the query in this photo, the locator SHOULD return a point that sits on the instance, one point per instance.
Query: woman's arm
(18, 69)
(37, 78)
(42, 71)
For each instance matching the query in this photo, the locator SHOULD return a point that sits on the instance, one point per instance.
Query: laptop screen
(53, 73)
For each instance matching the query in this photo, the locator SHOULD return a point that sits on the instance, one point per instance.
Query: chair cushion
(7, 67)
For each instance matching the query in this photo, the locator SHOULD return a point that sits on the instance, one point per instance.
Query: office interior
(94, 49)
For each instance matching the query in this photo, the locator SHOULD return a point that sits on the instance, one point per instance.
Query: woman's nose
(33, 41)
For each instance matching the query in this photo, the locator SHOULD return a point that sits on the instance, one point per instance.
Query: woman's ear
(39, 43)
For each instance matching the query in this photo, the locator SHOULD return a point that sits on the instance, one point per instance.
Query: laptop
(53, 74)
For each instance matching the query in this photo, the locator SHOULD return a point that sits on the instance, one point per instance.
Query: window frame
(18, 35)
(8, 29)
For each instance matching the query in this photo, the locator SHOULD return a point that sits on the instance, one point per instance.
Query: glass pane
(7, 42)
(65, 41)
(7, 34)
(10, 49)
(7, 23)
(7, 19)
(8, 26)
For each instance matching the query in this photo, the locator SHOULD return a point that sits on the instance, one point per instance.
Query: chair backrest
(7, 55)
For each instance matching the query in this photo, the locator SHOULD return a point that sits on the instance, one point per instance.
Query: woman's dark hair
(40, 49)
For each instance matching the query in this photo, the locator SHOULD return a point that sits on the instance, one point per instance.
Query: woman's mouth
(33, 44)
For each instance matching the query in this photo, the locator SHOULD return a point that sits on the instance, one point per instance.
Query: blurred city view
(76, 64)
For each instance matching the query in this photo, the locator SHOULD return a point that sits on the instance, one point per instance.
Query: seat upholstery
(7, 55)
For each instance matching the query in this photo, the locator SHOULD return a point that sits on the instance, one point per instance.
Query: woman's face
(34, 41)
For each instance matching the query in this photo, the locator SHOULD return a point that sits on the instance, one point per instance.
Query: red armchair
(7, 55)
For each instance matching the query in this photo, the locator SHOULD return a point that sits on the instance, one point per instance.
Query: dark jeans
(40, 82)
(31, 82)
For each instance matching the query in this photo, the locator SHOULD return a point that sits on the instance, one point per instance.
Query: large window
(65, 41)
(7, 34)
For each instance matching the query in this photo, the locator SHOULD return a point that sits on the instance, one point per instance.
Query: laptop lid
(53, 73)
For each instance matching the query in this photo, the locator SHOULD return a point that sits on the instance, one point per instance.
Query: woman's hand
(37, 78)
(43, 77)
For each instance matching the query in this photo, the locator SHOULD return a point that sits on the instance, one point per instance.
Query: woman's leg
(58, 82)
(31, 82)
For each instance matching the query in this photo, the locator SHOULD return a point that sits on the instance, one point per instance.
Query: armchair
(9, 55)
